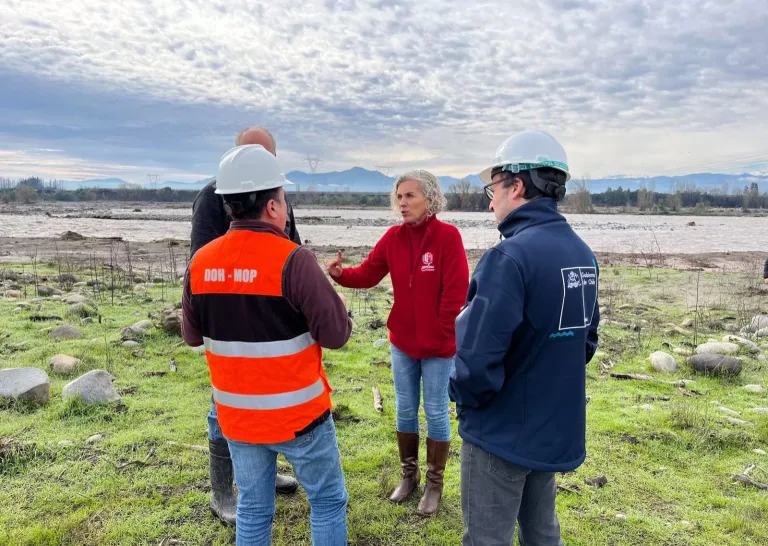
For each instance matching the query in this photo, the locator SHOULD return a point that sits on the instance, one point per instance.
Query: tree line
(463, 196)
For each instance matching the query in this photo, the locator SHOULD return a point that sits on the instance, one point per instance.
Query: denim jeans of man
(316, 463)
(408, 374)
(495, 494)
(214, 430)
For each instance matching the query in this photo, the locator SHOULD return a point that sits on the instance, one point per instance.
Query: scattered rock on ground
(71, 236)
(759, 322)
(65, 331)
(63, 363)
(86, 320)
(681, 351)
(761, 333)
(718, 347)
(663, 362)
(380, 343)
(13, 294)
(130, 333)
(738, 422)
(95, 387)
(130, 343)
(750, 346)
(25, 384)
(728, 411)
(754, 388)
(143, 325)
(687, 323)
(761, 411)
(46, 291)
(731, 327)
(66, 443)
(81, 310)
(76, 298)
(760, 452)
(171, 321)
(715, 364)
(95, 438)
(762, 359)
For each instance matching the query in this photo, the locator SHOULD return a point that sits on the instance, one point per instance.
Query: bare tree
(579, 196)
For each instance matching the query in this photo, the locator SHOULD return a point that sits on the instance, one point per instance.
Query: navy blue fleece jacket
(524, 338)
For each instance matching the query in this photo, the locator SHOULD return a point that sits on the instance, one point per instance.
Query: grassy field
(667, 453)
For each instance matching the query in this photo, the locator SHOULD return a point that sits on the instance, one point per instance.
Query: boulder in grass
(95, 387)
(715, 364)
(65, 331)
(64, 364)
(718, 348)
(663, 362)
(25, 384)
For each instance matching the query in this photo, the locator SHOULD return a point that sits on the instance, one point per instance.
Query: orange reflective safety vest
(269, 385)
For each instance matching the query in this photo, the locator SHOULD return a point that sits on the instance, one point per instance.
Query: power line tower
(384, 169)
(152, 181)
(313, 162)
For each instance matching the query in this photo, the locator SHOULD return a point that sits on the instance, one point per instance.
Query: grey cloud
(355, 70)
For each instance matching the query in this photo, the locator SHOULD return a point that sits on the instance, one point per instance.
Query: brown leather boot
(410, 475)
(437, 457)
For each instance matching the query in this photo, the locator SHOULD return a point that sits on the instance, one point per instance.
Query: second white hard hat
(528, 150)
(249, 168)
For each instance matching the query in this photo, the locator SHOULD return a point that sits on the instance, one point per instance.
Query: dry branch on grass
(744, 478)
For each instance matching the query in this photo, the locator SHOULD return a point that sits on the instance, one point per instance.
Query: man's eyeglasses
(488, 188)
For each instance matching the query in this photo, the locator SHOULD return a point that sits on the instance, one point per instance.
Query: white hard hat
(528, 150)
(249, 168)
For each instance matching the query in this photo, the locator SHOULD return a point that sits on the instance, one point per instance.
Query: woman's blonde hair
(436, 201)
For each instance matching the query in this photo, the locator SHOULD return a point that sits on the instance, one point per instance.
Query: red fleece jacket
(430, 278)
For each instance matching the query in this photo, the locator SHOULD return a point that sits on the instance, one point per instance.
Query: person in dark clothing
(210, 221)
(524, 338)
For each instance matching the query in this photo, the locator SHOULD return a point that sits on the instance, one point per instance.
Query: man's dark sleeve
(190, 323)
(765, 269)
(291, 230)
(310, 291)
(209, 219)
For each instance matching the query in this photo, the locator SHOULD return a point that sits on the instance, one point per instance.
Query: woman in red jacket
(430, 277)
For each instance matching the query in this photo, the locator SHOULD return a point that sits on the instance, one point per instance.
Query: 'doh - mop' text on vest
(268, 381)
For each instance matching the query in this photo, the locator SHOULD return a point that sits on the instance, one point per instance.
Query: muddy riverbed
(147, 227)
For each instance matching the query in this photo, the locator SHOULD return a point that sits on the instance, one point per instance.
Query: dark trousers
(495, 494)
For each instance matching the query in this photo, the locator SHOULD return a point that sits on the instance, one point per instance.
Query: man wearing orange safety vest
(263, 308)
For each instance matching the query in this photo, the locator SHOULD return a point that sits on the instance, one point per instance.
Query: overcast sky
(634, 87)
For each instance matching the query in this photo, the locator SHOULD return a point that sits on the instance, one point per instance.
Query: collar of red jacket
(257, 225)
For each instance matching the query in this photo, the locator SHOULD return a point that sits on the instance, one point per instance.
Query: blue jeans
(214, 430)
(316, 463)
(408, 373)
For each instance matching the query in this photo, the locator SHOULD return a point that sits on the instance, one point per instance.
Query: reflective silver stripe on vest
(269, 401)
(266, 349)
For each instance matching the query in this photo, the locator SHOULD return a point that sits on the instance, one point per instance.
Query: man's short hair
(251, 205)
(241, 133)
(531, 191)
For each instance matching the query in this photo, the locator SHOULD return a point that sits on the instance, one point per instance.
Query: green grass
(667, 469)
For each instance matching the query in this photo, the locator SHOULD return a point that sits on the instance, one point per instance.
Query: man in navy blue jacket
(524, 338)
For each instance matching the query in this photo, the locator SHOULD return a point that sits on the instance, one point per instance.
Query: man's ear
(272, 208)
(517, 190)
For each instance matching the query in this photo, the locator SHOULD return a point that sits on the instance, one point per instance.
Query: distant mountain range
(359, 179)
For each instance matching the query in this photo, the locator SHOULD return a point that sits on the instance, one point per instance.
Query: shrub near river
(112, 451)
